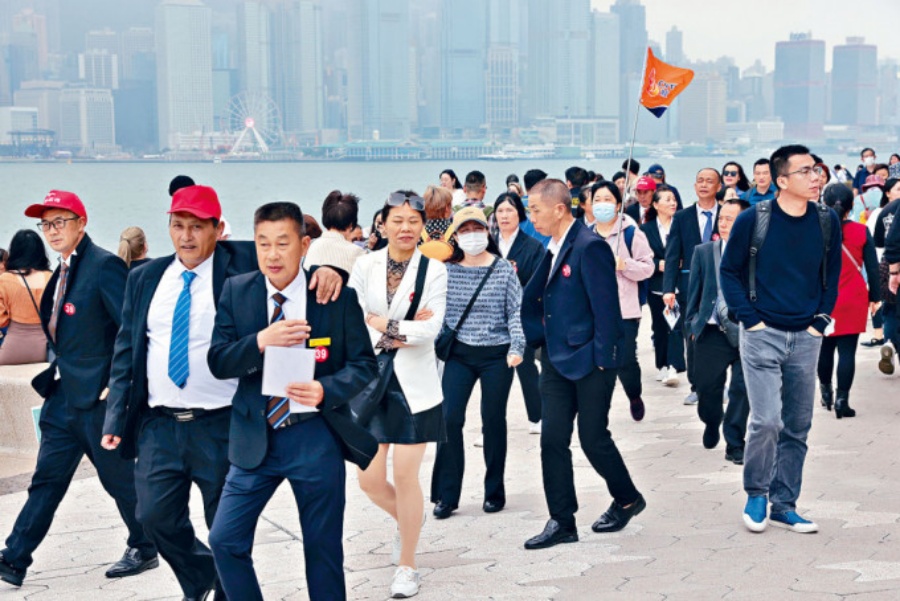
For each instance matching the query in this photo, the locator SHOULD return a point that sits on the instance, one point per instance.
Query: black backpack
(761, 228)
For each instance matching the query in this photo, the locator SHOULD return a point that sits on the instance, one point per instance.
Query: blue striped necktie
(179, 369)
(278, 409)
(708, 226)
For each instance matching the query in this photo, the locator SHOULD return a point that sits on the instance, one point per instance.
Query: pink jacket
(638, 266)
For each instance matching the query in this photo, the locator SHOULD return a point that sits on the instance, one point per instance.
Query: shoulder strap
(825, 224)
(629, 239)
(465, 313)
(420, 286)
(760, 229)
(30, 293)
(852, 260)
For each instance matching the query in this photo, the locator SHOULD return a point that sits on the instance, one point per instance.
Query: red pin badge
(715, 237)
(69, 309)
(566, 271)
(321, 354)
(411, 296)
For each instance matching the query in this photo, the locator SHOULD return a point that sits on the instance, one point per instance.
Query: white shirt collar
(67, 261)
(554, 245)
(202, 271)
(293, 291)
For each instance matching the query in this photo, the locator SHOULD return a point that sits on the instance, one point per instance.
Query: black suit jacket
(525, 255)
(684, 236)
(703, 290)
(86, 327)
(651, 230)
(573, 308)
(234, 353)
(128, 392)
(634, 211)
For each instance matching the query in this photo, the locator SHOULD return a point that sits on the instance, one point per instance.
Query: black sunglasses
(398, 199)
(730, 173)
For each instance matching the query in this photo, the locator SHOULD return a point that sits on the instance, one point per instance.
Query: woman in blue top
(489, 344)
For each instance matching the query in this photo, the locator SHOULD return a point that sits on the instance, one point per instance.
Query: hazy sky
(748, 29)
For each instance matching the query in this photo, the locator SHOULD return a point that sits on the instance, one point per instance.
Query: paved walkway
(689, 544)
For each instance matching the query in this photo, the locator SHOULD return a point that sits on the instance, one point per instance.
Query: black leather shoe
(710, 436)
(9, 573)
(203, 596)
(637, 408)
(617, 517)
(442, 510)
(553, 534)
(735, 456)
(493, 506)
(132, 563)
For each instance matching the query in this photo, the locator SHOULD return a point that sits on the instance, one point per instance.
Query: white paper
(672, 315)
(288, 365)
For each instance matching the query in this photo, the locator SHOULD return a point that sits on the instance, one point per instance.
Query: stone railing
(17, 403)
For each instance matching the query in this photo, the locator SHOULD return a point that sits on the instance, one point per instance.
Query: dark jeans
(846, 349)
(67, 435)
(466, 366)
(878, 318)
(529, 379)
(587, 400)
(716, 355)
(308, 456)
(668, 349)
(891, 324)
(171, 456)
(629, 371)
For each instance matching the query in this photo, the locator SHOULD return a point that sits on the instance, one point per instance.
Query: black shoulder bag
(443, 344)
(364, 404)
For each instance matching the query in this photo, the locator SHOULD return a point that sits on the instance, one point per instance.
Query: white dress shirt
(68, 263)
(506, 245)
(202, 390)
(664, 231)
(294, 307)
(701, 219)
(554, 245)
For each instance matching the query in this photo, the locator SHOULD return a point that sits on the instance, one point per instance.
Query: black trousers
(67, 435)
(629, 371)
(172, 455)
(466, 366)
(714, 355)
(588, 400)
(529, 378)
(681, 297)
(846, 369)
(668, 347)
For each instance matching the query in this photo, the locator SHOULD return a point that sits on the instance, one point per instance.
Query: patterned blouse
(395, 272)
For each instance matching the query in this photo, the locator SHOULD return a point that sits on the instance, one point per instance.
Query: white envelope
(288, 365)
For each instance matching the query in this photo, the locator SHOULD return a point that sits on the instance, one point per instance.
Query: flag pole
(631, 154)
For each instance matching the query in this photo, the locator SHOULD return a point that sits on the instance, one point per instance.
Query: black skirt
(394, 423)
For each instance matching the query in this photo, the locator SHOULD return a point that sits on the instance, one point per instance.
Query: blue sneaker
(755, 513)
(792, 521)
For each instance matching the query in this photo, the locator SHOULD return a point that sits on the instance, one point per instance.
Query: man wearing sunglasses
(80, 318)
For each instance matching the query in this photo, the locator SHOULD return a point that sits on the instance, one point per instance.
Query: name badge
(316, 342)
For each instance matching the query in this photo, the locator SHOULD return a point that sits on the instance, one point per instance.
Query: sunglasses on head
(398, 199)
(730, 173)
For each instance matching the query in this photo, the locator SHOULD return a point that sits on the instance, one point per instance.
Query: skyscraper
(184, 70)
(99, 69)
(632, 50)
(675, 46)
(606, 69)
(138, 47)
(253, 47)
(800, 86)
(297, 70)
(463, 50)
(87, 120)
(502, 94)
(701, 109)
(854, 83)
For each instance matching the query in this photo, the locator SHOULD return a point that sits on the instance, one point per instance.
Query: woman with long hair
(21, 289)
(853, 304)
(133, 247)
(410, 415)
(733, 176)
(451, 182)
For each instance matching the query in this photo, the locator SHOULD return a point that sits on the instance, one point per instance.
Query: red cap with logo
(645, 182)
(57, 199)
(200, 201)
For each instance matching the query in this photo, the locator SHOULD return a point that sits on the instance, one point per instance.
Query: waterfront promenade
(690, 543)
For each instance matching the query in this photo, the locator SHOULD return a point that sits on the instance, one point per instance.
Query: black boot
(842, 405)
(827, 395)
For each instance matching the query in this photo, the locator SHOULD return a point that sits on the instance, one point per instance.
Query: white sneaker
(671, 378)
(534, 428)
(479, 442)
(405, 583)
(663, 373)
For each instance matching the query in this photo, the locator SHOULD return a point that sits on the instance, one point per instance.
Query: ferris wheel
(256, 117)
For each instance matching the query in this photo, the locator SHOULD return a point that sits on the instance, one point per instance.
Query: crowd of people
(170, 361)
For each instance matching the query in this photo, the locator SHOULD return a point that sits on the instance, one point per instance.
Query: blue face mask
(604, 211)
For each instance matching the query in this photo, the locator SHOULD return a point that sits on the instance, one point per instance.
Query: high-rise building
(99, 69)
(102, 39)
(854, 83)
(502, 93)
(44, 96)
(425, 18)
(137, 54)
(889, 93)
(702, 109)
(28, 21)
(800, 86)
(606, 69)
(184, 70)
(632, 51)
(253, 60)
(87, 120)
(675, 47)
(16, 119)
(463, 49)
(297, 69)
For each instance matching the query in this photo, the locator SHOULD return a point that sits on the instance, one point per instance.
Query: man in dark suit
(80, 314)
(571, 308)
(304, 436)
(705, 316)
(175, 420)
(643, 189)
(691, 226)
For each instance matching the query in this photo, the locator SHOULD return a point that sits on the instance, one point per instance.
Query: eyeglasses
(818, 170)
(56, 224)
(398, 199)
(730, 173)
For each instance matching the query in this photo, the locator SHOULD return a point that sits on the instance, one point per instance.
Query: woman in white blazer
(411, 414)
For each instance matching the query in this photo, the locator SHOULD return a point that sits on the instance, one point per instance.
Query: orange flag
(662, 83)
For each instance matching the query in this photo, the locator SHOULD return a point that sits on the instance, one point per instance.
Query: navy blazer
(703, 290)
(86, 327)
(684, 236)
(128, 392)
(574, 310)
(525, 255)
(651, 230)
(634, 211)
(350, 365)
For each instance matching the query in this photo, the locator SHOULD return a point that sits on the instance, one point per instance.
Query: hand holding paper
(286, 367)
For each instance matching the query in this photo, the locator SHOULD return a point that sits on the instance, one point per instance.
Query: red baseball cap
(645, 182)
(58, 199)
(200, 201)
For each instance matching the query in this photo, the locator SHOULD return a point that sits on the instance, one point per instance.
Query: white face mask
(473, 243)
(869, 161)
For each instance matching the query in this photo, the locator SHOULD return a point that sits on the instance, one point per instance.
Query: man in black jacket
(80, 313)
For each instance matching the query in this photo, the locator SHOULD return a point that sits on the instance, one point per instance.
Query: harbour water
(118, 195)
